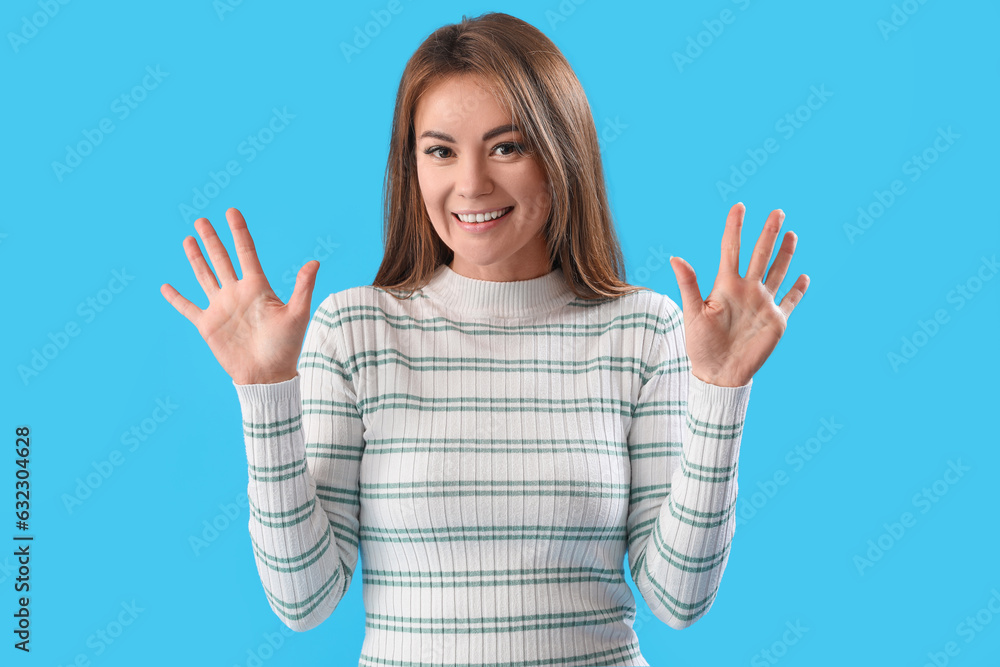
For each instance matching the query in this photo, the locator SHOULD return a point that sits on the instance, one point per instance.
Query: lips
(483, 227)
(505, 210)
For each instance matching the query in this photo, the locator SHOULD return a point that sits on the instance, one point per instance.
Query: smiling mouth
(485, 218)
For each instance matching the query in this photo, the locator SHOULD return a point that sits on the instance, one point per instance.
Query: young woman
(499, 417)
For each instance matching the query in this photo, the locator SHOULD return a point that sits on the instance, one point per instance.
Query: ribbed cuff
(251, 395)
(727, 398)
(711, 411)
(272, 415)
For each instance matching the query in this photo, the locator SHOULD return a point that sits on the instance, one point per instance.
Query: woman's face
(468, 162)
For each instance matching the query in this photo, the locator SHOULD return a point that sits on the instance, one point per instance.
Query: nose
(473, 178)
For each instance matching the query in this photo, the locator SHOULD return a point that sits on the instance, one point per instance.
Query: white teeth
(482, 217)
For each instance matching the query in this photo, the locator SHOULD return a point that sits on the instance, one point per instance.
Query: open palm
(254, 336)
(731, 333)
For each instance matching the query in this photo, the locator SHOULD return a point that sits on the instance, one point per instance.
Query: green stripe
(383, 356)
(584, 660)
(659, 408)
(589, 404)
(717, 518)
(379, 446)
(640, 493)
(315, 452)
(679, 560)
(486, 578)
(713, 430)
(328, 408)
(668, 366)
(331, 493)
(656, 449)
(335, 364)
(307, 605)
(496, 624)
(278, 468)
(490, 483)
(701, 468)
(361, 313)
(686, 470)
(270, 425)
(492, 532)
(720, 427)
(274, 433)
(673, 605)
(263, 516)
(302, 561)
(503, 493)
(300, 469)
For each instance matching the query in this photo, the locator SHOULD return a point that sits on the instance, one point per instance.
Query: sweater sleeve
(304, 442)
(683, 442)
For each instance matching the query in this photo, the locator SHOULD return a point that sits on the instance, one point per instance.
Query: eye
(433, 150)
(514, 147)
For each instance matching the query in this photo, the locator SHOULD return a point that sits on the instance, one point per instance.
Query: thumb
(304, 283)
(688, 283)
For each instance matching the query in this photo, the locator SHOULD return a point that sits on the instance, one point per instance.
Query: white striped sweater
(493, 449)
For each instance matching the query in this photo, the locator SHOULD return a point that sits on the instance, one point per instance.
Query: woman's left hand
(730, 334)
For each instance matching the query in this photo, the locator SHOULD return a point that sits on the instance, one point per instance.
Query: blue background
(672, 131)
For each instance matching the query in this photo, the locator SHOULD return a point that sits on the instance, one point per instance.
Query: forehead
(460, 101)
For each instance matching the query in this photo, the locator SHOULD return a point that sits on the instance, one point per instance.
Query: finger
(245, 249)
(730, 261)
(220, 258)
(183, 306)
(765, 245)
(304, 282)
(202, 271)
(691, 300)
(777, 273)
(794, 295)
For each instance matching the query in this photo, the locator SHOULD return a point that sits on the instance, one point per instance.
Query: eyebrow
(498, 130)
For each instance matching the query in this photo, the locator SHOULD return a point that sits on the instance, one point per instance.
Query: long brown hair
(531, 78)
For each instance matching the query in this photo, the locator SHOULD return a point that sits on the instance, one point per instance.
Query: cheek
(538, 198)
(538, 202)
(429, 190)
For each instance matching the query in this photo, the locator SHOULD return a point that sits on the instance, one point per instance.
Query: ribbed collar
(488, 298)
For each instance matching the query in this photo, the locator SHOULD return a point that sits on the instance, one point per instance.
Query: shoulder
(659, 310)
(366, 303)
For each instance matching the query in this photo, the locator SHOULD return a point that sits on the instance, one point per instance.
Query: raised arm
(684, 445)
(303, 464)
(304, 442)
(685, 436)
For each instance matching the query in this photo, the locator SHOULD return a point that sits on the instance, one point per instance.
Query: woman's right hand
(254, 336)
